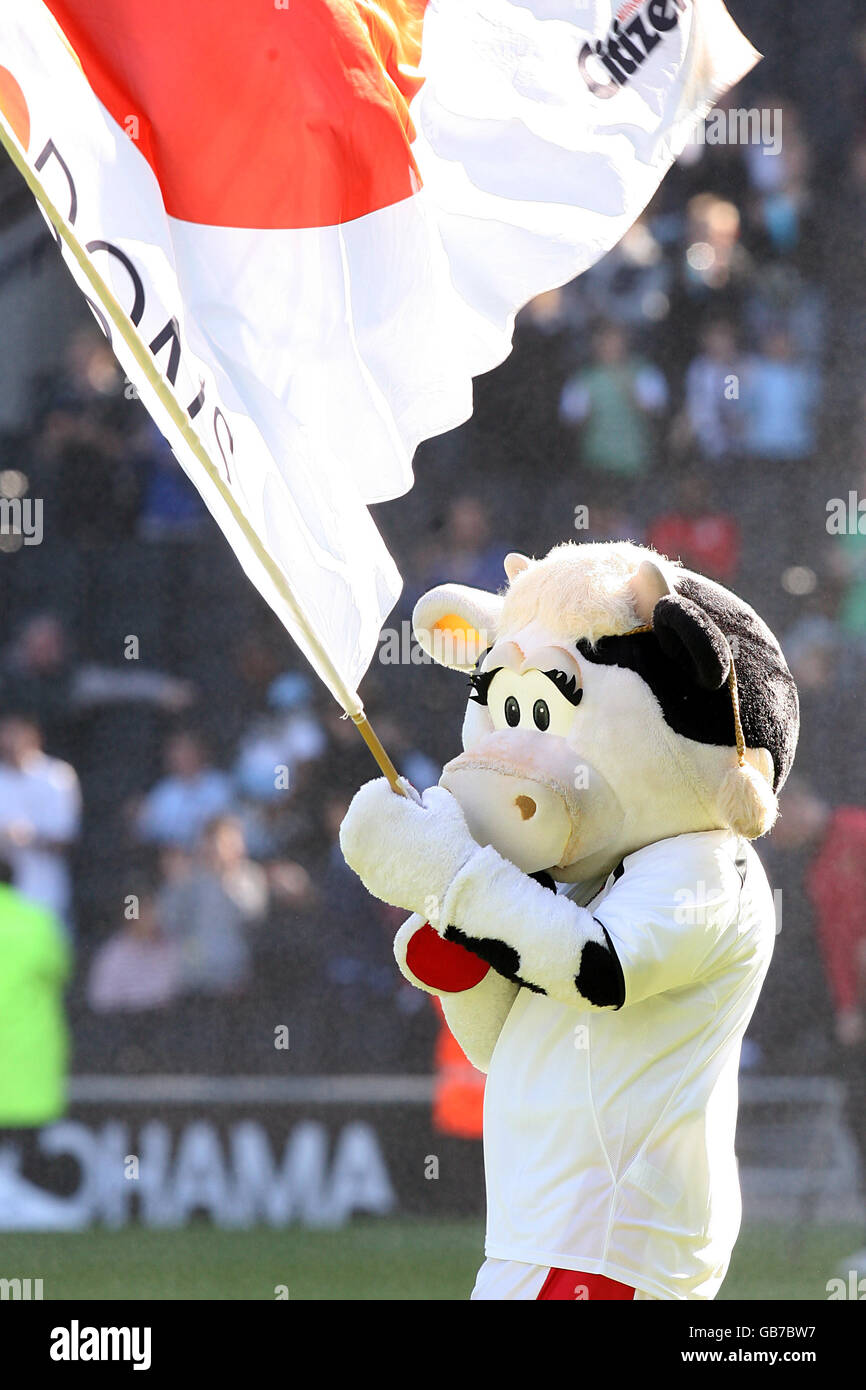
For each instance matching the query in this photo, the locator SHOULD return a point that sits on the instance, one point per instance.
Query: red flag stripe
(254, 116)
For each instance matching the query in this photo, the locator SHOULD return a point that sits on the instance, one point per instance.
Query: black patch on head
(703, 715)
(677, 662)
(600, 979)
(503, 958)
(769, 708)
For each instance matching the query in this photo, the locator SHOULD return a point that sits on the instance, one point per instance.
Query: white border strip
(160, 1089)
(252, 1090)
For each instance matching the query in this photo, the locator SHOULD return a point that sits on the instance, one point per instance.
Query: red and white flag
(322, 216)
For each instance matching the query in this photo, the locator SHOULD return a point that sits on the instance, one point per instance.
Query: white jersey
(44, 799)
(609, 1135)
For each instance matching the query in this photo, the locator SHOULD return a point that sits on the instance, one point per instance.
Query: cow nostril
(526, 806)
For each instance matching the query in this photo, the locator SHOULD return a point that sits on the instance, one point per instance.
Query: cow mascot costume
(588, 907)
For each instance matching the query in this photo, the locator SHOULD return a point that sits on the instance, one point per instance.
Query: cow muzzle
(518, 799)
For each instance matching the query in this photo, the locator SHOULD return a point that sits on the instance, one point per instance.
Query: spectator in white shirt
(40, 813)
(177, 809)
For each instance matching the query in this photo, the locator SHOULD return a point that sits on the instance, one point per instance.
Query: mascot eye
(512, 712)
(541, 715)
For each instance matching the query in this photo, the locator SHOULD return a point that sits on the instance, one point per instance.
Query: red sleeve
(836, 884)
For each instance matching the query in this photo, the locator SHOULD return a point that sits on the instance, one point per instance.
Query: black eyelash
(479, 683)
(566, 685)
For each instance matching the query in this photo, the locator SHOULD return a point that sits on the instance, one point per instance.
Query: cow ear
(688, 636)
(455, 624)
(649, 584)
(515, 564)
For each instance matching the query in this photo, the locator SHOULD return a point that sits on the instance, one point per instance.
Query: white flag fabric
(322, 216)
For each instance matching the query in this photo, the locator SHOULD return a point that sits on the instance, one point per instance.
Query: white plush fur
(490, 897)
(581, 591)
(747, 802)
(475, 1016)
(587, 591)
(433, 839)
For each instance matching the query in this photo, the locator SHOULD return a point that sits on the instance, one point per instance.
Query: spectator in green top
(35, 963)
(612, 401)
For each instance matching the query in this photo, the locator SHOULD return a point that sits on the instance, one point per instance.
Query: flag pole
(349, 699)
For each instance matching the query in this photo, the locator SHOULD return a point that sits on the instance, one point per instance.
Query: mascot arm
(475, 1000)
(530, 935)
(666, 923)
(422, 858)
(476, 1018)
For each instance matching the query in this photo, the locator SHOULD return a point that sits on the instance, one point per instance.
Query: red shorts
(569, 1285)
(511, 1279)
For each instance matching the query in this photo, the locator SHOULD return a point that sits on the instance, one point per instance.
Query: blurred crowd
(172, 777)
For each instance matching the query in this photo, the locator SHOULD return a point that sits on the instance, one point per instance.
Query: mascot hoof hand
(404, 852)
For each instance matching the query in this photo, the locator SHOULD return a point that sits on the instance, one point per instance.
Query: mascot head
(616, 699)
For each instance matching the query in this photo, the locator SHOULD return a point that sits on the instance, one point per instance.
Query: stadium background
(257, 1101)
